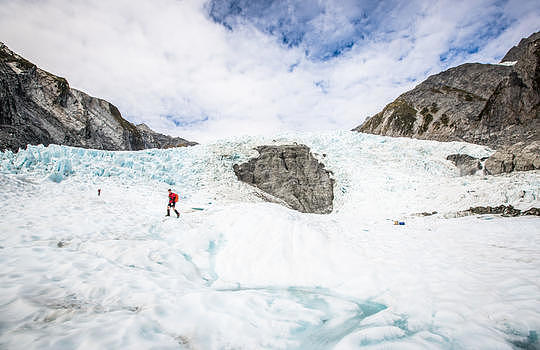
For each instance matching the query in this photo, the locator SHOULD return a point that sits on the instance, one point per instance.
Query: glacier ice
(244, 273)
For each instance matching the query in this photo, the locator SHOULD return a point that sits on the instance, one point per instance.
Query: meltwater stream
(82, 271)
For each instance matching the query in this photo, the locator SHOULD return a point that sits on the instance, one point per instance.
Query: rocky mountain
(490, 104)
(517, 51)
(37, 107)
(153, 139)
(290, 173)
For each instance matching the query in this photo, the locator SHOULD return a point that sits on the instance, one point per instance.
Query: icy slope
(377, 175)
(87, 272)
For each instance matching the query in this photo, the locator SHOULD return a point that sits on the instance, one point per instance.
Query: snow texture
(82, 271)
(508, 63)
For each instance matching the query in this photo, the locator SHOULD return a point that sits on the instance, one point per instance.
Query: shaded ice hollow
(244, 273)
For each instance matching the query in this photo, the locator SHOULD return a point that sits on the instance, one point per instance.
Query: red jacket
(173, 197)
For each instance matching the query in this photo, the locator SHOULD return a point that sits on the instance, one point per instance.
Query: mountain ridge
(490, 104)
(37, 107)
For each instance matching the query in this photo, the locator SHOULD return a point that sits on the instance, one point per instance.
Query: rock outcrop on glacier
(504, 210)
(466, 164)
(487, 104)
(293, 174)
(37, 107)
(519, 157)
(522, 156)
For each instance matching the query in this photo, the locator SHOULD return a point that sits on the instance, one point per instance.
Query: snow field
(82, 271)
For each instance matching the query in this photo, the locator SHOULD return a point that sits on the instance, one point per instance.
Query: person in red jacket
(173, 198)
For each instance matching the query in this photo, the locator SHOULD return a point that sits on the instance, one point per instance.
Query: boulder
(521, 156)
(292, 174)
(466, 164)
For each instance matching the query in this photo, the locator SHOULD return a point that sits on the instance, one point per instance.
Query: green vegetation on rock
(444, 119)
(373, 122)
(466, 95)
(401, 119)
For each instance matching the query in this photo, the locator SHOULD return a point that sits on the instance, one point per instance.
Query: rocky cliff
(487, 104)
(37, 107)
(516, 52)
(153, 139)
(521, 156)
(293, 174)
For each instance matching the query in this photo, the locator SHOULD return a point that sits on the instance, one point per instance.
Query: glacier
(82, 271)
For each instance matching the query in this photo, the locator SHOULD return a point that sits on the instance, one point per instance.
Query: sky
(209, 69)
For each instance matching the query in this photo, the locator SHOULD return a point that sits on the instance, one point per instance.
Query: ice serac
(291, 173)
(487, 104)
(37, 107)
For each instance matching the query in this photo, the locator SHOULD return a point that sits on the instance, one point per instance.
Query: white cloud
(167, 58)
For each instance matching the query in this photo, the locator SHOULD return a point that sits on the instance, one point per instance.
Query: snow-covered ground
(78, 271)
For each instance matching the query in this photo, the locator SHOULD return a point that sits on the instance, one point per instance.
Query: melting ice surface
(78, 271)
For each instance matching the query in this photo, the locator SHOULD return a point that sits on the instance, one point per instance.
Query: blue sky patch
(326, 30)
(185, 121)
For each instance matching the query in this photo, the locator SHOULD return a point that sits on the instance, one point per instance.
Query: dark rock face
(37, 107)
(516, 52)
(466, 164)
(291, 173)
(493, 105)
(504, 210)
(441, 107)
(532, 211)
(512, 113)
(153, 139)
(519, 157)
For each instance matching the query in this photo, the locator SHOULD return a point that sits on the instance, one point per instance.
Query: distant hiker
(99, 192)
(173, 198)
